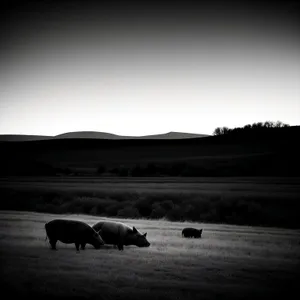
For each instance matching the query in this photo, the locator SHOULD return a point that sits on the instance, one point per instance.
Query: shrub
(124, 196)
(175, 214)
(144, 207)
(102, 205)
(190, 213)
(112, 210)
(128, 212)
(57, 200)
(167, 204)
(158, 212)
(177, 169)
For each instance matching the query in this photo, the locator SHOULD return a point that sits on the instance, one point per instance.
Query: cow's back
(67, 230)
(111, 231)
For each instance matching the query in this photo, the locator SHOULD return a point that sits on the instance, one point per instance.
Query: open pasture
(229, 262)
(234, 185)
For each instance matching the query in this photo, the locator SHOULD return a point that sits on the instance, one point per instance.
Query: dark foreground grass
(229, 262)
(241, 201)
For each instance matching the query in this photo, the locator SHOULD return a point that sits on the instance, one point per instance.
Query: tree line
(257, 127)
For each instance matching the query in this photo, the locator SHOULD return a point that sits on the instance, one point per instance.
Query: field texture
(229, 262)
(239, 185)
(256, 201)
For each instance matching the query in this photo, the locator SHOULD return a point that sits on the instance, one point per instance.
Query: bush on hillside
(128, 212)
(157, 212)
(144, 207)
(175, 214)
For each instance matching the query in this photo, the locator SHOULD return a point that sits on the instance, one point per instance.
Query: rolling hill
(271, 153)
(110, 136)
(97, 135)
(23, 137)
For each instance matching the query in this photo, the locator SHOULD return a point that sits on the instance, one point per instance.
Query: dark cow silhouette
(71, 231)
(191, 232)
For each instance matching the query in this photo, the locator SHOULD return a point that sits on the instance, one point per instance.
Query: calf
(191, 232)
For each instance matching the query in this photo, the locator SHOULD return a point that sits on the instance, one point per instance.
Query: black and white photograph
(149, 150)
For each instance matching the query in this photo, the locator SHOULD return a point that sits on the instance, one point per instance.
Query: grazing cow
(119, 234)
(71, 231)
(191, 232)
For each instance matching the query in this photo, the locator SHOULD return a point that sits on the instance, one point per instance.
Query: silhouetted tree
(279, 124)
(217, 131)
(268, 124)
(247, 127)
(221, 130)
(259, 126)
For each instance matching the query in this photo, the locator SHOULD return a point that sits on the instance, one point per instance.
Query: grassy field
(229, 262)
(259, 201)
(249, 185)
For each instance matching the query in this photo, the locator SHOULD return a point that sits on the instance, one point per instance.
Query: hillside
(87, 135)
(96, 135)
(173, 135)
(271, 154)
(22, 137)
(110, 136)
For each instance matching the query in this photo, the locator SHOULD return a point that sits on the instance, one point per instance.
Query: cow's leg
(121, 241)
(77, 246)
(120, 246)
(83, 246)
(53, 244)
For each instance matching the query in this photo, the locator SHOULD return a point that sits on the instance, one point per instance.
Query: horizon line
(105, 132)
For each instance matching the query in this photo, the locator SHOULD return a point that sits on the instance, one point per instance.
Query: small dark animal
(71, 231)
(119, 234)
(191, 232)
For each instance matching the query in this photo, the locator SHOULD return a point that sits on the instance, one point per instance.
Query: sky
(139, 69)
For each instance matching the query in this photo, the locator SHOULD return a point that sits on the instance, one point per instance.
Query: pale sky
(129, 73)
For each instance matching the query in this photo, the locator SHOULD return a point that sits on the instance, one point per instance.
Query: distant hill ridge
(97, 135)
(274, 152)
(23, 137)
